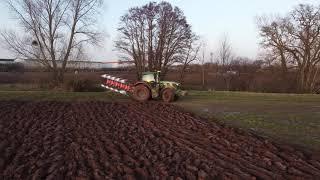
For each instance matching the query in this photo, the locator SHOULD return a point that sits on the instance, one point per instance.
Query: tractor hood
(170, 84)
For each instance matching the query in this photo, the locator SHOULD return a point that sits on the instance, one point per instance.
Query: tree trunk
(314, 79)
(182, 74)
(203, 78)
(139, 75)
(284, 67)
(312, 71)
(61, 76)
(55, 77)
(301, 81)
(164, 71)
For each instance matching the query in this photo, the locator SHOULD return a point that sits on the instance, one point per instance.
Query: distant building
(95, 65)
(7, 61)
(32, 63)
(8, 65)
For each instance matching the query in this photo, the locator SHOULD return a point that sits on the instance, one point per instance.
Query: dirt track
(56, 140)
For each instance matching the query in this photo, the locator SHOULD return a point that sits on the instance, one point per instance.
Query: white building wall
(70, 64)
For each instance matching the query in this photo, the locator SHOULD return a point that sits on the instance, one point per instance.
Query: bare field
(101, 140)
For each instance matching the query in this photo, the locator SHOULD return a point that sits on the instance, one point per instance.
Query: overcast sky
(210, 19)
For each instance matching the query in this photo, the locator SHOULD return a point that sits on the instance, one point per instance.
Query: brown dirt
(98, 140)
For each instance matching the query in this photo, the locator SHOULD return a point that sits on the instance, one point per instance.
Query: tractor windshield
(148, 77)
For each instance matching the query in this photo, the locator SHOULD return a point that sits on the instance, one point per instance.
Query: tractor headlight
(176, 85)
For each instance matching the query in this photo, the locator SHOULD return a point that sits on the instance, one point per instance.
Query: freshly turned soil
(100, 140)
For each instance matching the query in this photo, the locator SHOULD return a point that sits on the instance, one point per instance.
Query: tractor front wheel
(168, 95)
(141, 93)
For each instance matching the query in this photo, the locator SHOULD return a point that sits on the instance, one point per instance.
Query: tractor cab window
(148, 78)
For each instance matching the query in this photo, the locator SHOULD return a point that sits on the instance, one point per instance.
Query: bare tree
(202, 60)
(224, 54)
(295, 39)
(154, 36)
(224, 58)
(190, 56)
(55, 31)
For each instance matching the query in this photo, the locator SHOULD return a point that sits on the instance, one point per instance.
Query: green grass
(249, 96)
(289, 118)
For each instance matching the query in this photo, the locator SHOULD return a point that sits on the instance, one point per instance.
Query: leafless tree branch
(60, 28)
(155, 36)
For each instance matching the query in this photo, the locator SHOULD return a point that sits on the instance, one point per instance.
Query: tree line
(157, 36)
(293, 41)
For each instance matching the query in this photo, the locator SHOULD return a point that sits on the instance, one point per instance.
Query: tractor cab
(151, 77)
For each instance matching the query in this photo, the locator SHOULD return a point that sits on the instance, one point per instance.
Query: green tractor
(149, 87)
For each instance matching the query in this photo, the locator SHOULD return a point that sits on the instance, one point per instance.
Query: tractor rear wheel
(168, 95)
(141, 93)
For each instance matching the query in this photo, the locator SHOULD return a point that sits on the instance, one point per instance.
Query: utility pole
(203, 74)
(211, 57)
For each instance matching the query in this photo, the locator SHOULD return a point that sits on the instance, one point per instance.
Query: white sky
(210, 19)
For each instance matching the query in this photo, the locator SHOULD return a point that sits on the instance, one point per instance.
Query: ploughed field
(100, 140)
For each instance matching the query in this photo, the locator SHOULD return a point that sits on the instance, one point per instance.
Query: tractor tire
(168, 95)
(141, 93)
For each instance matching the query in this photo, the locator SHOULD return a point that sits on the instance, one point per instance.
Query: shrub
(84, 85)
